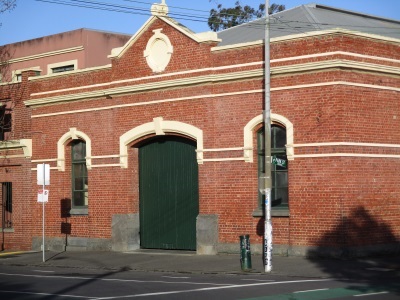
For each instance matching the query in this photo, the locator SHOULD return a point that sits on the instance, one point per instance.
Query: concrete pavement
(189, 262)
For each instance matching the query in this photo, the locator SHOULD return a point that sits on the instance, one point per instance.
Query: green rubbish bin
(245, 253)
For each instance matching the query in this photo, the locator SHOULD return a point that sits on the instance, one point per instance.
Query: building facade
(163, 148)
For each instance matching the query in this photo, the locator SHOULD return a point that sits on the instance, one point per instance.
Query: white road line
(175, 277)
(317, 290)
(257, 280)
(371, 294)
(40, 271)
(379, 269)
(115, 280)
(212, 288)
(46, 294)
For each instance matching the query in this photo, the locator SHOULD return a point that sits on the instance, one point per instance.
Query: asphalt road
(33, 282)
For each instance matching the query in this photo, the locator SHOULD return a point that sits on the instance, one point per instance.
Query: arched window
(279, 167)
(79, 175)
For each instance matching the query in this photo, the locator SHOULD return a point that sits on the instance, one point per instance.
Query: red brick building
(163, 148)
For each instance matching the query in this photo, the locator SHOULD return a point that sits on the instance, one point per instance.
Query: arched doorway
(169, 197)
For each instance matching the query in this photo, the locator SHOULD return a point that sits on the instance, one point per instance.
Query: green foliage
(223, 18)
(7, 5)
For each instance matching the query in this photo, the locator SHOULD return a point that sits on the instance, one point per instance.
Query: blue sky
(33, 19)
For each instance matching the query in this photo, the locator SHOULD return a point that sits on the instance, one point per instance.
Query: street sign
(43, 197)
(43, 174)
(279, 162)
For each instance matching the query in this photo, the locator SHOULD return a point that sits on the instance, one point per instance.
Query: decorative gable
(158, 51)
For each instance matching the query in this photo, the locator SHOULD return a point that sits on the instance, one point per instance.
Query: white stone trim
(223, 159)
(158, 51)
(336, 63)
(341, 154)
(212, 78)
(307, 35)
(140, 78)
(347, 155)
(159, 127)
(206, 70)
(42, 55)
(190, 98)
(24, 144)
(77, 71)
(73, 62)
(328, 144)
(15, 73)
(148, 86)
(203, 37)
(248, 132)
(74, 135)
(332, 83)
(119, 52)
(347, 83)
(159, 9)
(199, 38)
(334, 53)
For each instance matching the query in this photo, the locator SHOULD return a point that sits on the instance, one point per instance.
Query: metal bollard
(245, 253)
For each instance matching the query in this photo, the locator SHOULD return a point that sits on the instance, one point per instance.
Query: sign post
(267, 147)
(43, 178)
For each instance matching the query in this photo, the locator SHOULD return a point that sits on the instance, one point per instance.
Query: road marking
(40, 271)
(212, 288)
(310, 291)
(319, 294)
(175, 277)
(115, 280)
(379, 269)
(370, 294)
(258, 280)
(46, 294)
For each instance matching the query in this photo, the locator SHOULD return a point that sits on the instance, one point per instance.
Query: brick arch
(159, 127)
(275, 118)
(73, 134)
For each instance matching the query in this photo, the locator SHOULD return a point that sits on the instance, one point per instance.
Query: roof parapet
(159, 9)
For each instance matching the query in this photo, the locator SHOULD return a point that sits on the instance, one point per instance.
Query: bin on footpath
(245, 253)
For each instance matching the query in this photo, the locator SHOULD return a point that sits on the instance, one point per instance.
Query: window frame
(6, 204)
(79, 175)
(282, 210)
(6, 119)
(63, 64)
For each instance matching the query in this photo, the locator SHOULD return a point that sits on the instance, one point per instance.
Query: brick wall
(334, 200)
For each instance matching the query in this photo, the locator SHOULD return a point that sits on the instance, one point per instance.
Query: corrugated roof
(308, 18)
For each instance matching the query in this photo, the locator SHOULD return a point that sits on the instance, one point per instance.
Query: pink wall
(96, 46)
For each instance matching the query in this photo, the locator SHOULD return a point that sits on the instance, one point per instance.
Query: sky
(37, 18)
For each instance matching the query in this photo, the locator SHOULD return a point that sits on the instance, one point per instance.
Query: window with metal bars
(6, 196)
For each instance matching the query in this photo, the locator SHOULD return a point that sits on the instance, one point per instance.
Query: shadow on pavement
(377, 269)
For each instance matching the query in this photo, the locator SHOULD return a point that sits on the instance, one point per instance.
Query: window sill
(78, 211)
(258, 212)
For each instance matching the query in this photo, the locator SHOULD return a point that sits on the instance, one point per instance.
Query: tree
(223, 18)
(7, 5)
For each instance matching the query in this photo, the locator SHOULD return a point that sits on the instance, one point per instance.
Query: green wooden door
(169, 201)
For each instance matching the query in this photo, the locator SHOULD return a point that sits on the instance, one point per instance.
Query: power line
(301, 26)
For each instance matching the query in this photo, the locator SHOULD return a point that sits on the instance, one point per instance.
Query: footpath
(188, 262)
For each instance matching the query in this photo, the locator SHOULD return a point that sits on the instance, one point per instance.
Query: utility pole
(267, 147)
